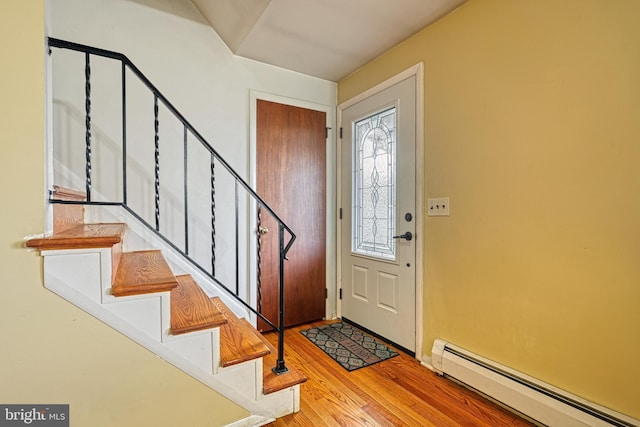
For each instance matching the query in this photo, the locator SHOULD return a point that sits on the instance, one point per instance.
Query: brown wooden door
(291, 179)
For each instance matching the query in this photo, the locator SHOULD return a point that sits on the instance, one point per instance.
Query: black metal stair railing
(239, 184)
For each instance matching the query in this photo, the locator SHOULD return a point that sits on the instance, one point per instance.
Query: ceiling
(328, 39)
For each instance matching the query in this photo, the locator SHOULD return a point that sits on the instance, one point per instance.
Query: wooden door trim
(417, 71)
(331, 177)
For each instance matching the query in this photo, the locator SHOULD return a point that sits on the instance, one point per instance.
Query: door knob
(263, 230)
(407, 236)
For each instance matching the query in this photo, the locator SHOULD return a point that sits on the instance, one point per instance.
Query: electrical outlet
(438, 207)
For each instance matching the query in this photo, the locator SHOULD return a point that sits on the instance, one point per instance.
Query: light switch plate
(438, 206)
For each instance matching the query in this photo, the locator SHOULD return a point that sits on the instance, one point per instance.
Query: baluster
(213, 216)
(236, 241)
(87, 123)
(259, 260)
(124, 133)
(280, 367)
(156, 124)
(186, 196)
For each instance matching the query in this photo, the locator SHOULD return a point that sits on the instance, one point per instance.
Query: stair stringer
(81, 275)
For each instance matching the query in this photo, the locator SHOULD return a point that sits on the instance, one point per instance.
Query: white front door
(378, 200)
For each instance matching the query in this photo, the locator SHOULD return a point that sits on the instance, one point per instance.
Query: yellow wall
(51, 351)
(532, 128)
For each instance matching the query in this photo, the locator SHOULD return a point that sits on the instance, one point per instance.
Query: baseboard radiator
(535, 399)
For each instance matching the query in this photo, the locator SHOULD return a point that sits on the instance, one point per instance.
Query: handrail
(188, 128)
(63, 44)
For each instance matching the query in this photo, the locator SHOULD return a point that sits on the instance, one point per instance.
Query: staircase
(105, 270)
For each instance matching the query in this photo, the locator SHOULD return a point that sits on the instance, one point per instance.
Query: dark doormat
(348, 345)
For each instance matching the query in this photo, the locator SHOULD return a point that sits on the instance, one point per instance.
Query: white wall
(188, 62)
(185, 59)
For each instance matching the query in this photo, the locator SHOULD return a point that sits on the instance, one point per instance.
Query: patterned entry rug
(348, 345)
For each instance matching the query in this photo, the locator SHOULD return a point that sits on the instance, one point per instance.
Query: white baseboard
(251, 421)
(427, 362)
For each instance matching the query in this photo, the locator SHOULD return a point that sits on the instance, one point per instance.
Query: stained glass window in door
(374, 185)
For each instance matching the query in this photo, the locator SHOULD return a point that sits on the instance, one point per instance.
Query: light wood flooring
(396, 392)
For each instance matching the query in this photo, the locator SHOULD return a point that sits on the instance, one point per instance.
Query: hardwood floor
(396, 392)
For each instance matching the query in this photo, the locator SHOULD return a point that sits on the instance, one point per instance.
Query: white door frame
(331, 173)
(417, 71)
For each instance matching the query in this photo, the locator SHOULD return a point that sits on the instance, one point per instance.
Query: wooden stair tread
(62, 193)
(142, 272)
(239, 341)
(192, 309)
(81, 236)
(271, 381)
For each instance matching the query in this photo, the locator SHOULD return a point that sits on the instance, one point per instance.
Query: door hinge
(340, 213)
(326, 134)
(326, 293)
(340, 133)
(340, 293)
